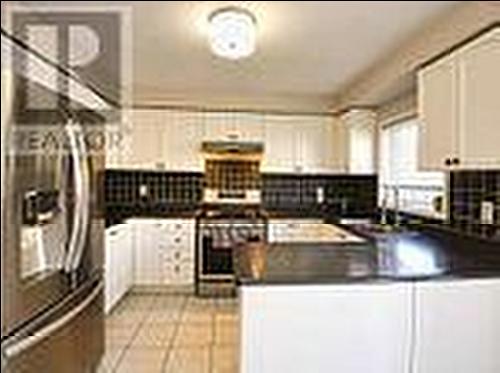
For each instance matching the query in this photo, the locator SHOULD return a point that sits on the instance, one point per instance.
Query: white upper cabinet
(438, 113)
(146, 139)
(279, 145)
(118, 137)
(181, 141)
(310, 145)
(479, 114)
(171, 140)
(360, 135)
(301, 144)
(336, 146)
(460, 108)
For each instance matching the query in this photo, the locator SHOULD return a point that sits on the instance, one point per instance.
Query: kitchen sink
(310, 232)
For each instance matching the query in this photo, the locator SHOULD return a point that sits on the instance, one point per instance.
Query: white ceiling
(306, 52)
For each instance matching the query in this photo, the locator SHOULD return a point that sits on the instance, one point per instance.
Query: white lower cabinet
(118, 267)
(325, 328)
(164, 252)
(457, 327)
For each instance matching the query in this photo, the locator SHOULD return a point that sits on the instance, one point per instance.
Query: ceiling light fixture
(232, 33)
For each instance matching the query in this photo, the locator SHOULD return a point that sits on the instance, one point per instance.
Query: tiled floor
(172, 334)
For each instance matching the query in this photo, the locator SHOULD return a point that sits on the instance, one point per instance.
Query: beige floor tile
(110, 360)
(154, 335)
(198, 310)
(200, 304)
(227, 318)
(224, 360)
(125, 319)
(168, 302)
(119, 336)
(142, 360)
(194, 335)
(171, 316)
(135, 303)
(188, 360)
(226, 334)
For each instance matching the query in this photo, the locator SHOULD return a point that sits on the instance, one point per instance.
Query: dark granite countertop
(412, 255)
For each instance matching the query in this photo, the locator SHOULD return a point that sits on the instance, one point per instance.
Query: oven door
(216, 253)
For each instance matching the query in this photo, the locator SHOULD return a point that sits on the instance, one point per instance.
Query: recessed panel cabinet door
(438, 90)
(280, 150)
(327, 328)
(457, 327)
(480, 103)
(146, 139)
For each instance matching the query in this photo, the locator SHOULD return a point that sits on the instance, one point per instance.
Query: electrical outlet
(320, 195)
(143, 190)
(487, 212)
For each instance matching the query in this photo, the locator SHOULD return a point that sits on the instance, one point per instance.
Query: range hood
(233, 148)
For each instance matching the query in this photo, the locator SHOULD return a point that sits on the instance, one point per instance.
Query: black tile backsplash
(468, 189)
(344, 195)
(166, 193)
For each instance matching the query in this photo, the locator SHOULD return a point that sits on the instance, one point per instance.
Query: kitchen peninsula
(414, 301)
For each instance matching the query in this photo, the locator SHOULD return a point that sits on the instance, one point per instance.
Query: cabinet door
(148, 259)
(182, 140)
(146, 141)
(336, 146)
(342, 328)
(249, 127)
(219, 126)
(437, 86)
(109, 267)
(457, 327)
(310, 145)
(480, 103)
(126, 250)
(279, 153)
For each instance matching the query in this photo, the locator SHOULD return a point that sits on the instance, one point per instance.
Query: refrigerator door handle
(84, 227)
(16, 348)
(76, 239)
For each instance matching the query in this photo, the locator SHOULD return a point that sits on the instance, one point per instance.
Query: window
(418, 192)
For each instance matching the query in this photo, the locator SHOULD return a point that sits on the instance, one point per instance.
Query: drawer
(178, 254)
(178, 240)
(178, 273)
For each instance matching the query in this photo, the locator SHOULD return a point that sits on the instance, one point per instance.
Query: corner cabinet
(459, 107)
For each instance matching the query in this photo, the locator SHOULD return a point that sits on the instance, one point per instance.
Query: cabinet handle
(177, 255)
(447, 162)
(177, 240)
(177, 269)
(456, 161)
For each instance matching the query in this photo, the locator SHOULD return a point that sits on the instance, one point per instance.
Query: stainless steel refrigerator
(51, 232)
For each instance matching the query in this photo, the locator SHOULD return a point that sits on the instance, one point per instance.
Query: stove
(221, 229)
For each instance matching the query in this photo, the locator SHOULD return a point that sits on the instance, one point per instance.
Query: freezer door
(70, 339)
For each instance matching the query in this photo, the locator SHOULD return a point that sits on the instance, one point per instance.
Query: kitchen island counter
(416, 301)
(423, 254)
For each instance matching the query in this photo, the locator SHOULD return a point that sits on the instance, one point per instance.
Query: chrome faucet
(385, 201)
